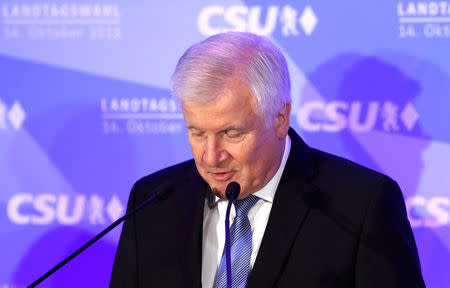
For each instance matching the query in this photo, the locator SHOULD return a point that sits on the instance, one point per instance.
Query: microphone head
(163, 190)
(233, 190)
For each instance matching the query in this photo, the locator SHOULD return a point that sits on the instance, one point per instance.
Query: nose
(214, 153)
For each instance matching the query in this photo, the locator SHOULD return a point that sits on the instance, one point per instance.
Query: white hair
(207, 67)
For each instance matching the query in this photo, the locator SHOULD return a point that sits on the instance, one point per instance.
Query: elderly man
(304, 218)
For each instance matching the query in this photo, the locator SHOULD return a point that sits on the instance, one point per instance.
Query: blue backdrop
(86, 110)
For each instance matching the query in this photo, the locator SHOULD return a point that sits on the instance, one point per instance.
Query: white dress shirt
(214, 223)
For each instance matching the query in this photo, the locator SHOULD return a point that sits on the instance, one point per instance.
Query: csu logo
(11, 116)
(44, 209)
(357, 116)
(428, 212)
(256, 19)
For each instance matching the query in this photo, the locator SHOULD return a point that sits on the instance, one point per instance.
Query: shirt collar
(267, 193)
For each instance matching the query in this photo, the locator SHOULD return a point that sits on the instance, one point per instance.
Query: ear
(282, 121)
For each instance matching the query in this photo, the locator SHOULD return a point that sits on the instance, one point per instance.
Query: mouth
(221, 176)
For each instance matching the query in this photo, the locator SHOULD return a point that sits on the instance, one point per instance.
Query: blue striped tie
(241, 247)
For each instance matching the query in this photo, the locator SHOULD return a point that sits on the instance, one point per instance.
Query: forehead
(233, 106)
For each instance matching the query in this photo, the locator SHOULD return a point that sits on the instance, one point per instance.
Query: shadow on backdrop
(380, 130)
(92, 268)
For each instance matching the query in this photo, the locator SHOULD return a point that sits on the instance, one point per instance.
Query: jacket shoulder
(168, 174)
(350, 188)
(161, 180)
(346, 171)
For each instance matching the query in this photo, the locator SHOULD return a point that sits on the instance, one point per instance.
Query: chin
(220, 194)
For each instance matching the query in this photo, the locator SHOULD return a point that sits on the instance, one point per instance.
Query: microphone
(160, 193)
(231, 192)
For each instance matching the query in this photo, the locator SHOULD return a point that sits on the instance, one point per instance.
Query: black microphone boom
(161, 191)
(232, 193)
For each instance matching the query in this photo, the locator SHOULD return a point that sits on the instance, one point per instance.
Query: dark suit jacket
(333, 224)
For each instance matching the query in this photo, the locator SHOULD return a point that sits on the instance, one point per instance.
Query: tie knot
(244, 205)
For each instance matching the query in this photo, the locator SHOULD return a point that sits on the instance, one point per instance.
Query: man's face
(230, 142)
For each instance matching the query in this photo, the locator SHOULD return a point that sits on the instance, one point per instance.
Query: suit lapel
(190, 229)
(286, 217)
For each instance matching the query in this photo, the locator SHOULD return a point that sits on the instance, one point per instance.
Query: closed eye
(233, 133)
(196, 132)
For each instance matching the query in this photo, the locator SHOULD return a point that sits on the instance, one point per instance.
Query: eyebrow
(229, 128)
(239, 128)
(190, 126)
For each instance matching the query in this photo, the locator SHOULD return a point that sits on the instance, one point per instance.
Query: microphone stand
(92, 241)
(232, 193)
(227, 241)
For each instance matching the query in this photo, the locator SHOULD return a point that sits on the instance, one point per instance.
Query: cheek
(243, 156)
(254, 157)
